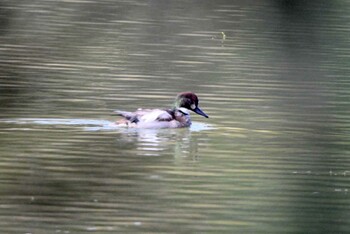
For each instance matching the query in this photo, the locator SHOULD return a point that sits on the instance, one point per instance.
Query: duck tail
(127, 115)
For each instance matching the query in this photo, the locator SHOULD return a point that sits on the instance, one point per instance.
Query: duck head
(189, 101)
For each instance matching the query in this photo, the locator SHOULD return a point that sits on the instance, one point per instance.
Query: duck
(176, 117)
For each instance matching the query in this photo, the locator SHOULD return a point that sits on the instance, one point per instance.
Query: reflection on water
(96, 125)
(273, 157)
(150, 142)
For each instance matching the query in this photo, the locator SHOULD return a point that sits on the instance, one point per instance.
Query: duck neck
(178, 103)
(175, 106)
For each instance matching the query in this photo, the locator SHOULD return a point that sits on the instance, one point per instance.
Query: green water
(272, 158)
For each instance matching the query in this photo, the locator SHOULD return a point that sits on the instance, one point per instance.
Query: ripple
(91, 124)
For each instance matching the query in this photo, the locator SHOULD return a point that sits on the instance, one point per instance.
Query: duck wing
(155, 115)
(145, 115)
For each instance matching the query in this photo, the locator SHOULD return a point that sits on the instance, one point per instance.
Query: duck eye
(193, 106)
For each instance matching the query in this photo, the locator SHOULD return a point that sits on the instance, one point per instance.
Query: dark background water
(272, 76)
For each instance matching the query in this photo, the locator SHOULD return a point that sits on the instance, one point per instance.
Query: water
(272, 158)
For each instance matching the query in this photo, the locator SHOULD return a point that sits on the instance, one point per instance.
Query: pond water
(274, 156)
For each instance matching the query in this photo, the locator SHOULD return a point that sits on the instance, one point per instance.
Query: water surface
(272, 158)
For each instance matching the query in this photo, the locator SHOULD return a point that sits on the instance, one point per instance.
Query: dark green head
(189, 101)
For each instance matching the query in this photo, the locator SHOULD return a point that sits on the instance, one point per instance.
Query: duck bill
(200, 112)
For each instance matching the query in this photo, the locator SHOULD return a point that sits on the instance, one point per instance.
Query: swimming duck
(176, 117)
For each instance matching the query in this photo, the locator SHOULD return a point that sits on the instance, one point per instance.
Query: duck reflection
(182, 143)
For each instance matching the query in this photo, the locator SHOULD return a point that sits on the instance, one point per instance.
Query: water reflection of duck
(176, 117)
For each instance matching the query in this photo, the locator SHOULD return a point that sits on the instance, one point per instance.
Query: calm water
(274, 156)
